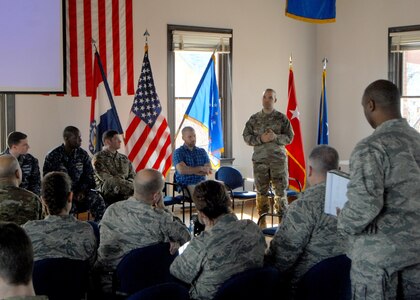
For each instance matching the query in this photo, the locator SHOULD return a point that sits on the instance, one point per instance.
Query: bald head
(10, 169)
(147, 183)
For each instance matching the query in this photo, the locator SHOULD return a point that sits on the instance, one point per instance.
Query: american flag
(147, 137)
(110, 24)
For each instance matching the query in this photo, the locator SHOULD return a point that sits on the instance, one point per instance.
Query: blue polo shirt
(192, 158)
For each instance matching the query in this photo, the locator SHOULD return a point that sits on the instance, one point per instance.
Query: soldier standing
(382, 214)
(114, 174)
(268, 131)
(18, 147)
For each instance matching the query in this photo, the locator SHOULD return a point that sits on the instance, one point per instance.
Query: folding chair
(233, 179)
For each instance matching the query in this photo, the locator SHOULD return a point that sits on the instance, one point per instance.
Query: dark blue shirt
(31, 177)
(192, 158)
(77, 164)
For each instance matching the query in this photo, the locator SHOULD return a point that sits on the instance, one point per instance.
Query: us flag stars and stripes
(147, 136)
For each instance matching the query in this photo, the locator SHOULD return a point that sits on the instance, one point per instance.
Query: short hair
(8, 166)
(324, 158)
(211, 198)
(108, 135)
(384, 93)
(70, 131)
(187, 128)
(15, 137)
(148, 182)
(271, 90)
(55, 189)
(16, 254)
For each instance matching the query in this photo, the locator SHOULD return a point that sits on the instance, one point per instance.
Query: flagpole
(325, 61)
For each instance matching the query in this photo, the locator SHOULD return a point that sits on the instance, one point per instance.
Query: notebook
(335, 192)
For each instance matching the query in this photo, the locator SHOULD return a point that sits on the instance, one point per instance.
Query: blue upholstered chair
(142, 268)
(291, 195)
(61, 278)
(233, 180)
(328, 279)
(259, 283)
(170, 290)
(174, 193)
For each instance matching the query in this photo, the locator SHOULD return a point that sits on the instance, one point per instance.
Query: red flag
(147, 137)
(296, 156)
(110, 24)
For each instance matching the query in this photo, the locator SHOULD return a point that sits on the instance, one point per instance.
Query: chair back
(142, 268)
(169, 290)
(95, 228)
(328, 279)
(258, 283)
(230, 176)
(61, 278)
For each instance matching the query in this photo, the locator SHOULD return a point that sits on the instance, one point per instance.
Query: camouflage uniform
(382, 215)
(31, 178)
(305, 237)
(79, 167)
(28, 298)
(114, 175)
(132, 224)
(269, 159)
(62, 236)
(18, 205)
(228, 248)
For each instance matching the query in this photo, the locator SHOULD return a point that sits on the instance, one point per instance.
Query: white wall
(263, 39)
(357, 50)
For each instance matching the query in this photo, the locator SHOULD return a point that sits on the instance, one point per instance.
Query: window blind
(200, 41)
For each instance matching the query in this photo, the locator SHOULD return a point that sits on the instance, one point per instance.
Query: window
(404, 69)
(189, 51)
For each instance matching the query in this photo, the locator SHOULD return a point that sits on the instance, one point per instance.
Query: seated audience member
(114, 174)
(75, 161)
(307, 235)
(59, 234)
(16, 263)
(137, 222)
(192, 164)
(16, 204)
(18, 147)
(227, 246)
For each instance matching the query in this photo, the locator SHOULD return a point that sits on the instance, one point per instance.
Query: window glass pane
(411, 73)
(410, 109)
(189, 67)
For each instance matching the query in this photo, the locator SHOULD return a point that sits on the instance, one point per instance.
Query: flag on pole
(313, 11)
(204, 110)
(323, 131)
(147, 136)
(110, 23)
(295, 153)
(103, 113)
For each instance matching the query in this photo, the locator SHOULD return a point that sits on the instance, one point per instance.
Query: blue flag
(103, 113)
(204, 109)
(323, 113)
(314, 11)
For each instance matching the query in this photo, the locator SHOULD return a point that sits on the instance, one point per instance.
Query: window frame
(224, 83)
